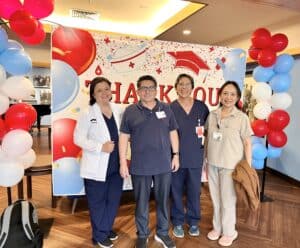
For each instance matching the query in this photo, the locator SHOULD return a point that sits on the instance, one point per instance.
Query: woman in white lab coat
(97, 132)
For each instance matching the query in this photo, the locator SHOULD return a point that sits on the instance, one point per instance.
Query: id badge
(160, 114)
(217, 136)
(199, 131)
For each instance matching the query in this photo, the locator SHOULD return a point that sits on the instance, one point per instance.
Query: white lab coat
(90, 134)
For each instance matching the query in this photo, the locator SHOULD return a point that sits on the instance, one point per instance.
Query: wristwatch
(175, 153)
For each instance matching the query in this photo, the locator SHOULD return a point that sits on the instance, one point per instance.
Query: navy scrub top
(149, 138)
(113, 162)
(190, 146)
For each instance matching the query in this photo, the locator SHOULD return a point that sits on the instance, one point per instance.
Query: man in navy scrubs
(190, 115)
(152, 129)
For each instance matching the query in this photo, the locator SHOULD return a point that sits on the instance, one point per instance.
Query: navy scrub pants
(103, 201)
(186, 180)
(142, 189)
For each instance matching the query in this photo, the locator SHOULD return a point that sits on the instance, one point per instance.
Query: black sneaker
(113, 235)
(105, 243)
(141, 243)
(166, 241)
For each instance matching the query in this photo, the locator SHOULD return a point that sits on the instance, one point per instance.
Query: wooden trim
(41, 64)
(283, 176)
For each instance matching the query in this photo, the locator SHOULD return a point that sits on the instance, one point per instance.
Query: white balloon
(2, 74)
(17, 87)
(281, 100)
(261, 91)
(27, 159)
(4, 104)
(262, 110)
(12, 172)
(16, 143)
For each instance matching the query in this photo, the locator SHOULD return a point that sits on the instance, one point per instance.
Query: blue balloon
(274, 152)
(16, 62)
(65, 85)
(259, 151)
(281, 82)
(284, 63)
(66, 177)
(235, 66)
(3, 40)
(257, 140)
(258, 163)
(13, 44)
(263, 74)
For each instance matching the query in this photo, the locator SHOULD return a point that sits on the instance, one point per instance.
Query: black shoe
(141, 243)
(166, 241)
(105, 243)
(113, 235)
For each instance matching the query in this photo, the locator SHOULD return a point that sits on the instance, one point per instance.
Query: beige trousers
(223, 197)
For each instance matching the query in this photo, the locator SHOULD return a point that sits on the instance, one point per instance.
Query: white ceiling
(223, 20)
(217, 23)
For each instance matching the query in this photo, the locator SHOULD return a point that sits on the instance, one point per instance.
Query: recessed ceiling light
(186, 32)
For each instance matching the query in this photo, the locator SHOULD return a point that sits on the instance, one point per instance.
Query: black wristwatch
(175, 153)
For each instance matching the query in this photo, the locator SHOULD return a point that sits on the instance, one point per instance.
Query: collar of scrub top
(233, 113)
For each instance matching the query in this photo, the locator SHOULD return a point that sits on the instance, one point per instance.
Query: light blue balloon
(258, 163)
(284, 63)
(280, 82)
(3, 40)
(234, 67)
(16, 62)
(13, 44)
(259, 151)
(274, 152)
(65, 85)
(263, 74)
(257, 140)
(66, 177)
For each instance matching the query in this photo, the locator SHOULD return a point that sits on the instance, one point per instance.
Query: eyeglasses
(145, 88)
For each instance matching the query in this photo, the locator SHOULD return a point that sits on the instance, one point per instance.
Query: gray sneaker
(141, 243)
(194, 231)
(178, 231)
(166, 241)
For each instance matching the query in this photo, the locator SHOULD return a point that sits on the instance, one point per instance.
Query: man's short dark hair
(184, 75)
(144, 78)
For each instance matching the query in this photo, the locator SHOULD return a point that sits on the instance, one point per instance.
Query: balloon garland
(15, 150)
(270, 91)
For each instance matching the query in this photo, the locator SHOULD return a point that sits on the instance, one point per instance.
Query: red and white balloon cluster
(270, 91)
(15, 150)
(24, 18)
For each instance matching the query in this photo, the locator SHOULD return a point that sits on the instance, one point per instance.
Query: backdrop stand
(263, 197)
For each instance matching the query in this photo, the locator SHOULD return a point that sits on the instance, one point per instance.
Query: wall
(289, 162)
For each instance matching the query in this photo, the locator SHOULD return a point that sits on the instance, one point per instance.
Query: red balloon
(253, 52)
(266, 57)
(39, 8)
(261, 38)
(260, 128)
(38, 36)
(63, 145)
(277, 138)
(278, 120)
(23, 23)
(7, 7)
(76, 47)
(279, 42)
(20, 116)
(3, 129)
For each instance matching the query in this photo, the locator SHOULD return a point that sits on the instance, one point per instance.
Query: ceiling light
(186, 32)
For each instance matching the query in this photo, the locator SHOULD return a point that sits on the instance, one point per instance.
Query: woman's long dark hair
(238, 91)
(93, 84)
